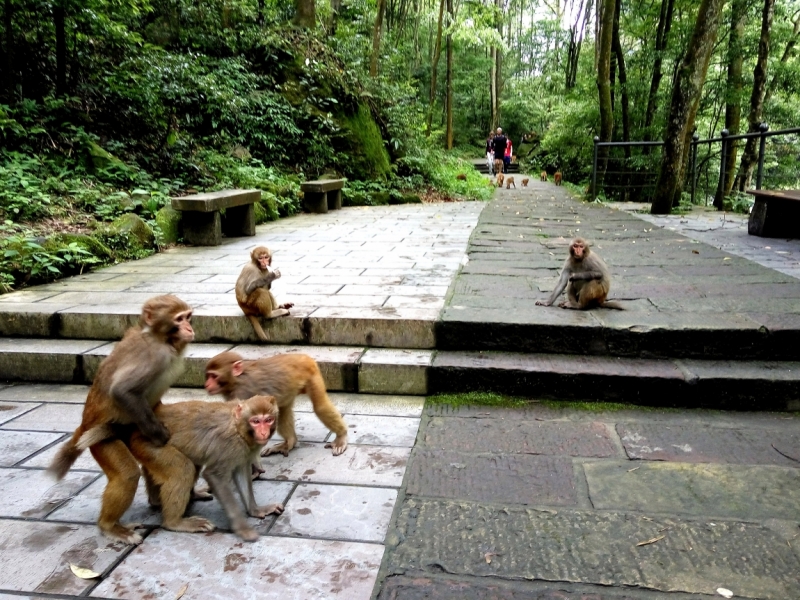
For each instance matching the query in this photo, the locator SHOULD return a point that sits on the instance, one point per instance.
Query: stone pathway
(328, 543)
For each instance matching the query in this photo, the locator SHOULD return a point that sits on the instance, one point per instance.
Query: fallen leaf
(488, 556)
(181, 591)
(83, 573)
(633, 469)
(725, 593)
(727, 258)
(695, 252)
(651, 540)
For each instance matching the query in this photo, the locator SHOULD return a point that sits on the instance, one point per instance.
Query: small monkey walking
(586, 278)
(253, 290)
(510, 182)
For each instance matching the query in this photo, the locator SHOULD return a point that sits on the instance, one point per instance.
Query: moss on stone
(367, 156)
(478, 399)
(405, 199)
(169, 223)
(379, 198)
(94, 246)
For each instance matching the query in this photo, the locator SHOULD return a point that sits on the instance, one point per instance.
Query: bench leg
(239, 221)
(334, 199)
(202, 228)
(316, 202)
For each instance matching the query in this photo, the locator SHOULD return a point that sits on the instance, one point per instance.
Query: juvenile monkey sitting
(253, 290)
(525, 182)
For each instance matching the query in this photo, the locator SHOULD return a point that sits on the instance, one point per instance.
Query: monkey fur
(253, 290)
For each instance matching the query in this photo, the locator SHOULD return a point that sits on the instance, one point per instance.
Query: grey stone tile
(430, 302)
(27, 296)
(48, 417)
(337, 512)
(169, 287)
(382, 431)
(45, 392)
(359, 465)
(85, 506)
(386, 371)
(373, 404)
(266, 492)
(394, 290)
(33, 494)
(42, 460)
(308, 428)
(28, 318)
(18, 445)
(41, 359)
(36, 556)
(11, 410)
(218, 566)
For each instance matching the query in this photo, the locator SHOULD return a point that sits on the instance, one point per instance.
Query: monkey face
(262, 426)
(577, 249)
(264, 260)
(214, 383)
(182, 327)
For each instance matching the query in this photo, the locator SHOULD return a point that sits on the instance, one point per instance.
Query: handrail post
(719, 199)
(695, 137)
(763, 128)
(593, 188)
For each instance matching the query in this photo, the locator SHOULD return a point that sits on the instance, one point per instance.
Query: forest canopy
(109, 107)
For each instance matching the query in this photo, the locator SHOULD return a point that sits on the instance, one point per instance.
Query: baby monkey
(586, 278)
(525, 182)
(543, 176)
(510, 182)
(253, 290)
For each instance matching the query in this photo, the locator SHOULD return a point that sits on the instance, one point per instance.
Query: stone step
(718, 384)
(384, 328)
(744, 385)
(344, 368)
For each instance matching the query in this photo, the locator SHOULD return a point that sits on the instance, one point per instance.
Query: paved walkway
(551, 502)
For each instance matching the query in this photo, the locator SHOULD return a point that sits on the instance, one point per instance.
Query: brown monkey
(126, 388)
(525, 182)
(223, 438)
(461, 177)
(253, 290)
(586, 278)
(543, 176)
(283, 376)
(498, 166)
(500, 178)
(557, 178)
(510, 182)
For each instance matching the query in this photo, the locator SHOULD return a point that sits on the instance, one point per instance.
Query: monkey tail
(258, 329)
(94, 436)
(65, 457)
(612, 304)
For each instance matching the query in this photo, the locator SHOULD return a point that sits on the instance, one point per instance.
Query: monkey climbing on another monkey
(557, 178)
(129, 383)
(283, 376)
(510, 182)
(586, 278)
(253, 290)
(525, 182)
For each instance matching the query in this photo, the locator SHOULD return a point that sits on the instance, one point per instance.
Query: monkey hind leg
(327, 412)
(122, 473)
(592, 294)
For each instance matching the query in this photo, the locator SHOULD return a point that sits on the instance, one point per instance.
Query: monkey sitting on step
(253, 290)
(586, 278)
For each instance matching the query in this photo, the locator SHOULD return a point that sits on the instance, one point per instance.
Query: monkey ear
(237, 368)
(147, 317)
(237, 412)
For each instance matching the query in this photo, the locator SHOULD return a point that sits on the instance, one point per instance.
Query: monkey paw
(248, 534)
(281, 448)
(270, 509)
(202, 493)
(191, 525)
(123, 533)
(338, 445)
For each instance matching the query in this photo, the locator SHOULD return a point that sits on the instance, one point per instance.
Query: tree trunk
(604, 83)
(495, 118)
(662, 35)
(688, 84)
(376, 39)
(575, 42)
(750, 153)
(733, 96)
(498, 68)
(306, 14)
(336, 6)
(59, 18)
(787, 53)
(449, 60)
(8, 51)
(437, 51)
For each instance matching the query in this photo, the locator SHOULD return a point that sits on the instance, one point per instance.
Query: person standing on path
(507, 155)
(499, 145)
(490, 154)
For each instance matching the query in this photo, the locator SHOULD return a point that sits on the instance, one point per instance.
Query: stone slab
(28, 319)
(16, 446)
(704, 444)
(337, 512)
(388, 327)
(714, 491)
(45, 392)
(359, 465)
(100, 322)
(388, 405)
(381, 431)
(32, 493)
(435, 536)
(42, 360)
(308, 429)
(505, 479)
(43, 459)
(11, 410)
(218, 566)
(64, 418)
(84, 507)
(212, 327)
(394, 371)
(518, 436)
(36, 556)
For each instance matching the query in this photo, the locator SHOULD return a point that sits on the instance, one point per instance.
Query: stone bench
(776, 213)
(203, 224)
(322, 195)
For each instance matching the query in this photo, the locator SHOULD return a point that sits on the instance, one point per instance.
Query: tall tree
(733, 96)
(437, 51)
(376, 38)
(59, 22)
(750, 154)
(8, 50)
(689, 80)
(305, 13)
(576, 33)
(662, 37)
(449, 60)
(604, 43)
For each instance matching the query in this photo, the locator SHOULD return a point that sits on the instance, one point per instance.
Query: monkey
(586, 278)
(283, 376)
(223, 438)
(253, 290)
(461, 177)
(525, 182)
(557, 178)
(510, 182)
(500, 178)
(498, 166)
(129, 383)
(543, 176)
